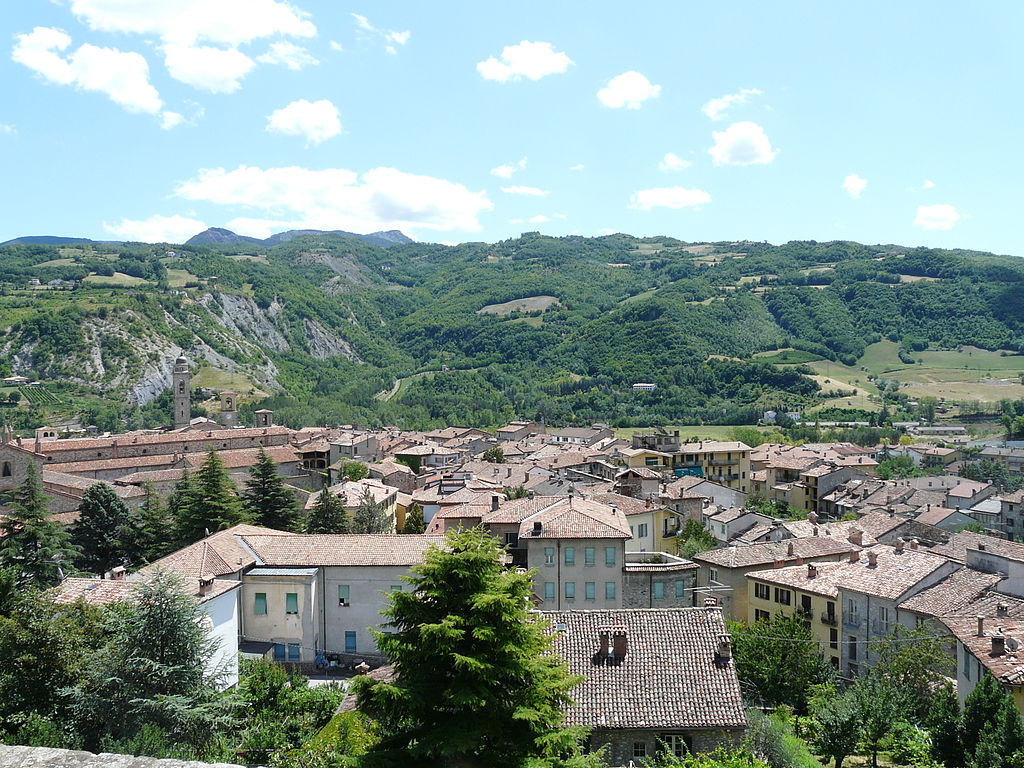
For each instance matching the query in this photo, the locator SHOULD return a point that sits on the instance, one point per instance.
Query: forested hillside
(325, 328)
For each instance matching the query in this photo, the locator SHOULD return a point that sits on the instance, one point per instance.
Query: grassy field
(118, 279)
(219, 380)
(788, 356)
(176, 278)
(529, 304)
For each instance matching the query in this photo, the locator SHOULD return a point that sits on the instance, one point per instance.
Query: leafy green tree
(915, 662)
(31, 541)
(945, 723)
(513, 493)
(474, 680)
(265, 499)
(328, 514)
(371, 516)
(981, 708)
(879, 704)
(838, 732)
(719, 758)
(693, 539)
(101, 529)
(779, 671)
(897, 468)
(209, 502)
(355, 470)
(151, 530)
(495, 455)
(414, 522)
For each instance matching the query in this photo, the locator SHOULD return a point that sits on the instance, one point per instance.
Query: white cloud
(530, 60)
(743, 143)
(507, 170)
(540, 218)
(577, 167)
(156, 229)
(363, 23)
(390, 37)
(122, 75)
(855, 185)
(928, 184)
(673, 162)
(401, 38)
(337, 198)
(630, 90)
(217, 70)
(170, 120)
(336, 46)
(940, 216)
(7, 129)
(290, 55)
(716, 108)
(316, 121)
(668, 197)
(531, 191)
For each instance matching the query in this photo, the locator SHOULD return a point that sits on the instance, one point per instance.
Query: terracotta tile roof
(305, 550)
(353, 491)
(576, 518)
(992, 605)
(686, 565)
(100, 465)
(935, 515)
(76, 485)
(825, 582)
(626, 504)
(670, 676)
(55, 447)
(517, 510)
(771, 551)
(967, 489)
(104, 591)
(958, 544)
(952, 593)
(729, 514)
(151, 476)
(217, 555)
(877, 524)
(246, 457)
(713, 446)
(1007, 666)
(893, 574)
(1017, 497)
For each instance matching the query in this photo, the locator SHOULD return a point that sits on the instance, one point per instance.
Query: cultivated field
(528, 304)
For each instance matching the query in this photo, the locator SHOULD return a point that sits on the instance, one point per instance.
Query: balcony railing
(829, 618)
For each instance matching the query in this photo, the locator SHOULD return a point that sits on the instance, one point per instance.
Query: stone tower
(228, 409)
(180, 378)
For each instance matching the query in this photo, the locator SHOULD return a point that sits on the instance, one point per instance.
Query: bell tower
(228, 409)
(180, 378)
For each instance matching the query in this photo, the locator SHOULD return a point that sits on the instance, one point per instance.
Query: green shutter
(343, 594)
(260, 607)
(291, 602)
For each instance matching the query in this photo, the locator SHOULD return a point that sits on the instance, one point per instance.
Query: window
(677, 745)
(280, 653)
(570, 590)
(260, 606)
(805, 603)
(511, 539)
(783, 596)
(343, 592)
(609, 555)
(570, 555)
(7, 469)
(294, 652)
(680, 588)
(549, 555)
(639, 749)
(549, 590)
(588, 556)
(713, 574)
(761, 591)
(652, 461)
(350, 642)
(291, 602)
(760, 615)
(641, 531)
(851, 647)
(590, 591)
(883, 619)
(833, 638)
(659, 590)
(609, 590)
(396, 587)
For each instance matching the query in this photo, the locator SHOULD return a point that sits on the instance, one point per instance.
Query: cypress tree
(370, 516)
(266, 500)
(328, 514)
(414, 520)
(209, 502)
(37, 547)
(99, 532)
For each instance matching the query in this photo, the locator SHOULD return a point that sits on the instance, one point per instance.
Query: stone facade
(639, 588)
(625, 746)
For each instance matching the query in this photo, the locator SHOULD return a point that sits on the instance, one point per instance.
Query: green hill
(321, 327)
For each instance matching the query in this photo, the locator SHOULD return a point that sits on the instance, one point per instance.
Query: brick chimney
(604, 636)
(812, 570)
(724, 647)
(789, 549)
(855, 556)
(998, 643)
(899, 546)
(1002, 610)
(495, 501)
(205, 586)
(981, 626)
(619, 643)
(914, 544)
(856, 536)
(872, 559)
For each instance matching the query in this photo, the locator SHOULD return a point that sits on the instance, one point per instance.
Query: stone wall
(638, 588)
(621, 744)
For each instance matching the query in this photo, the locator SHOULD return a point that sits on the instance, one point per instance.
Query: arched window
(7, 469)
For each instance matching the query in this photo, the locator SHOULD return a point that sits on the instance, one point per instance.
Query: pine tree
(152, 529)
(266, 500)
(980, 709)
(474, 682)
(31, 542)
(371, 516)
(946, 728)
(99, 532)
(328, 514)
(414, 520)
(211, 503)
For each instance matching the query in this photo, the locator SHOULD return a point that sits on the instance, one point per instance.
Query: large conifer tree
(101, 529)
(152, 533)
(328, 514)
(370, 516)
(209, 502)
(37, 547)
(474, 683)
(266, 500)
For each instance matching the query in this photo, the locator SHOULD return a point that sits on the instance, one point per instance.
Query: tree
(151, 529)
(474, 681)
(495, 455)
(355, 470)
(779, 671)
(209, 503)
(838, 725)
(879, 704)
(946, 727)
(915, 662)
(265, 499)
(693, 539)
(100, 533)
(31, 542)
(371, 516)
(981, 708)
(414, 520)
(328, 514)
(513, 493)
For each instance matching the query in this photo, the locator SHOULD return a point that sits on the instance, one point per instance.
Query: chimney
(495, 501)
(856, 536)
(812, 570)
(981, 546)
(872, 559)
(117, 574)
(710, 602)
(855, 556)
(914, 544)
(998, 643)
(981, 626)
(891, 511)
(814, 530)
(605, 637)
(1002, 610)
(619, 644)
(812, 517)
(724, 648)
(789, 549)
(779, 563)
(899, 545)
(205, 585)
(538, 526)
(530, 494)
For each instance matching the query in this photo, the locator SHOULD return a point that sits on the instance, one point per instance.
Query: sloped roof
(576, 518)
(958, 544)
(770, 551)
(216, 555)
(954, 592)
(311, 550)
(670, 676)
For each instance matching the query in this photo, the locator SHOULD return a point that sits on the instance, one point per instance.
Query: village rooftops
(105, 591)
(953, 593)
(626, 504)
(958, 544)
(935, 515)
(886, 572)
(55, 447)
(217, 555)
(770, 552)
(576, 518)
(997, 646)
(328, 549)
(672, 673)
(517, 510)
(713, 446)
(967, 489)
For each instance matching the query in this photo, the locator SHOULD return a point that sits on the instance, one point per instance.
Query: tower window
(7, 469)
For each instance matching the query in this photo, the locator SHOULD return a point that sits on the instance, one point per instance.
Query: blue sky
(453, 121)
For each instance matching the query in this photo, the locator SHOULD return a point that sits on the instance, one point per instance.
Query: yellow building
(725, 463)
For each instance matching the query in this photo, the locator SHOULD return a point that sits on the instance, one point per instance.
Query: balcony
(722, 462)
(830, 619)
(852, 621)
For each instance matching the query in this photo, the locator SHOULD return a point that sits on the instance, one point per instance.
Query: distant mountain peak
(221, 236)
